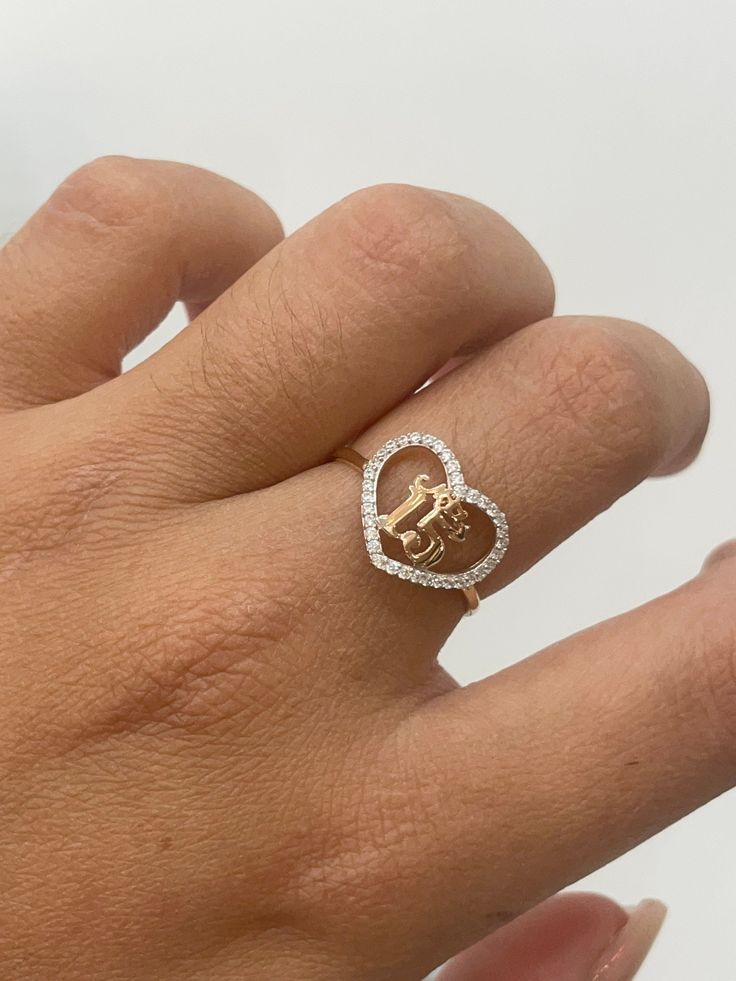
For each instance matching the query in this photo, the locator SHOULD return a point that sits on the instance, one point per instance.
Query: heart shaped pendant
(426, 538)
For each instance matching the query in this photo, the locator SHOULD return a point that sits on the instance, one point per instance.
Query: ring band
(444, 520)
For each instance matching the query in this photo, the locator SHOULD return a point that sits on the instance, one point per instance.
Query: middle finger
(554, 424)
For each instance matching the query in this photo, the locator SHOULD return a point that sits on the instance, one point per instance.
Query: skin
(227, 750)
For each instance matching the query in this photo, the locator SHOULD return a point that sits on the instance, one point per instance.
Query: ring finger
(338, 324)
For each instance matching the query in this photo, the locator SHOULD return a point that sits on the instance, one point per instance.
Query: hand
(227, 748)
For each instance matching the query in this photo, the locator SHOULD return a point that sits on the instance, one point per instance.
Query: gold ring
(436, 516)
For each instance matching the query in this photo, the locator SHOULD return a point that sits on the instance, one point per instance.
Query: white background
(604, 130)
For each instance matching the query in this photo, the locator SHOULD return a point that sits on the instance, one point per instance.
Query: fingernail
(626, 953)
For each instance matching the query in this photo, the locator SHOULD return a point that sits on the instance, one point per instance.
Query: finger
(554, 425)
(343, 320)
(576, 755)
(570, 937)
(103, 261)
(724, 552)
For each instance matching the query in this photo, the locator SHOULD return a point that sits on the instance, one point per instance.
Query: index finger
(552, 768)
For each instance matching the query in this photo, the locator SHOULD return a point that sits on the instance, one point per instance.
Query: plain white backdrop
(605, 130)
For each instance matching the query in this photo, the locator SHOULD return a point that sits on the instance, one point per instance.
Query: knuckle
(109, 192)
(399, 226)
(451, 251)
(604, 383)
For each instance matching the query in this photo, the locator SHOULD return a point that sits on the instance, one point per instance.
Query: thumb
(570, 937)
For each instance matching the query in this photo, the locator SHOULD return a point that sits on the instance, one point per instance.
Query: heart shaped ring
(428, 521)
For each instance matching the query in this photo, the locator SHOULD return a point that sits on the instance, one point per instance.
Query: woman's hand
(227, 749)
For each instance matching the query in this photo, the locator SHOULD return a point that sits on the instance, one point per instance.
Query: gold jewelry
(425, 543)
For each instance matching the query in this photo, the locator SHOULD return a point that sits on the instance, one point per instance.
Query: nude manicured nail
(625, 955)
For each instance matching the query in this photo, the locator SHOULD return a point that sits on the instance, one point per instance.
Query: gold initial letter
(424, 544)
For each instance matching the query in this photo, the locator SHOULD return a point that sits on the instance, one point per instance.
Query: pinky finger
(570, 937)
(102, 262)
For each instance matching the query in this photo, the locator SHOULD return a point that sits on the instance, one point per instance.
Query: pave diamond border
(456, 483)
